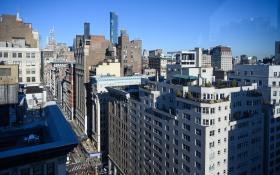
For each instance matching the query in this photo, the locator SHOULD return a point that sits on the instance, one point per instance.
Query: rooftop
(185, 77)
(33, 89)
(50, 136)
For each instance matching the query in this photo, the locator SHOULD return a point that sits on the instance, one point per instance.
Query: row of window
(17, 55)
(30, 79)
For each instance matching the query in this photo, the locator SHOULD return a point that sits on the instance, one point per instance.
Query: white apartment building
(203, 74)
(28, 59)
(175, 129)
(268, 79)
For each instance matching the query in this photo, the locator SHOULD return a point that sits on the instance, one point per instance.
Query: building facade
(221, 58)
(88, 53)
(268, 79)
(173, 129)
(19, 44)
(114, 28)
(69, 92)
(36, 148)
(99, 103)
(130, 54)
(9, 93)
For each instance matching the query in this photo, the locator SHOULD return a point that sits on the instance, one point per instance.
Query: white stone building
(178, 129)
(268, 79)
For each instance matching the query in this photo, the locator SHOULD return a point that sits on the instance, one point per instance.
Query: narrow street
(78, 161)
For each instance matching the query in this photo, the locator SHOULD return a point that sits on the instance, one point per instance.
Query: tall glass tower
(114, 28)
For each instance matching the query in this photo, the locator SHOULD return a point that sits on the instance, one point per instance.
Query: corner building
(164, 128)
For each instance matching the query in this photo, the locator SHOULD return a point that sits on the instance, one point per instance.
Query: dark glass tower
(86, 30)
(114, 28)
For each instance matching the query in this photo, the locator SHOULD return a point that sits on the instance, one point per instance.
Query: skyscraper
(87, 30)
(277, 52)
(114, 28)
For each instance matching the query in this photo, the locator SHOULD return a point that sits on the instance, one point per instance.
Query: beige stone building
(19, 44)
(8, 74)
(8, 84)
(107, 68)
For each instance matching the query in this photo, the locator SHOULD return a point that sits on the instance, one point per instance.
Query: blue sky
(248, 26)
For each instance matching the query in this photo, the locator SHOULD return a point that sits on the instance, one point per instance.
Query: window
(27, 55)
(175, 141)
(5, 54)
(197, 154)
(205, 122)
(186, 147)
(28, 79)
(32, 55)
(186, 168)
(186, 126)
(211, 144)
(14, 54)
(38, 170)
(186, 158)
(155, 130)
(197, 120)
(186, 137)
(274, 93)
(197, 165)
(212, 133)
(197, 143)
(19, 55)
(198, 132)
(167, 137)
(25, 171)
(275, 74)
(0, 54)
(50, 169)
(187, 116)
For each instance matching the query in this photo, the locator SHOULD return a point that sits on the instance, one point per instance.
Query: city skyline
(114, 106)
(248, 27)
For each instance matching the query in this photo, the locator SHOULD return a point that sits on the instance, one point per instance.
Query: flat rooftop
(50, 137)
(33, 89)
